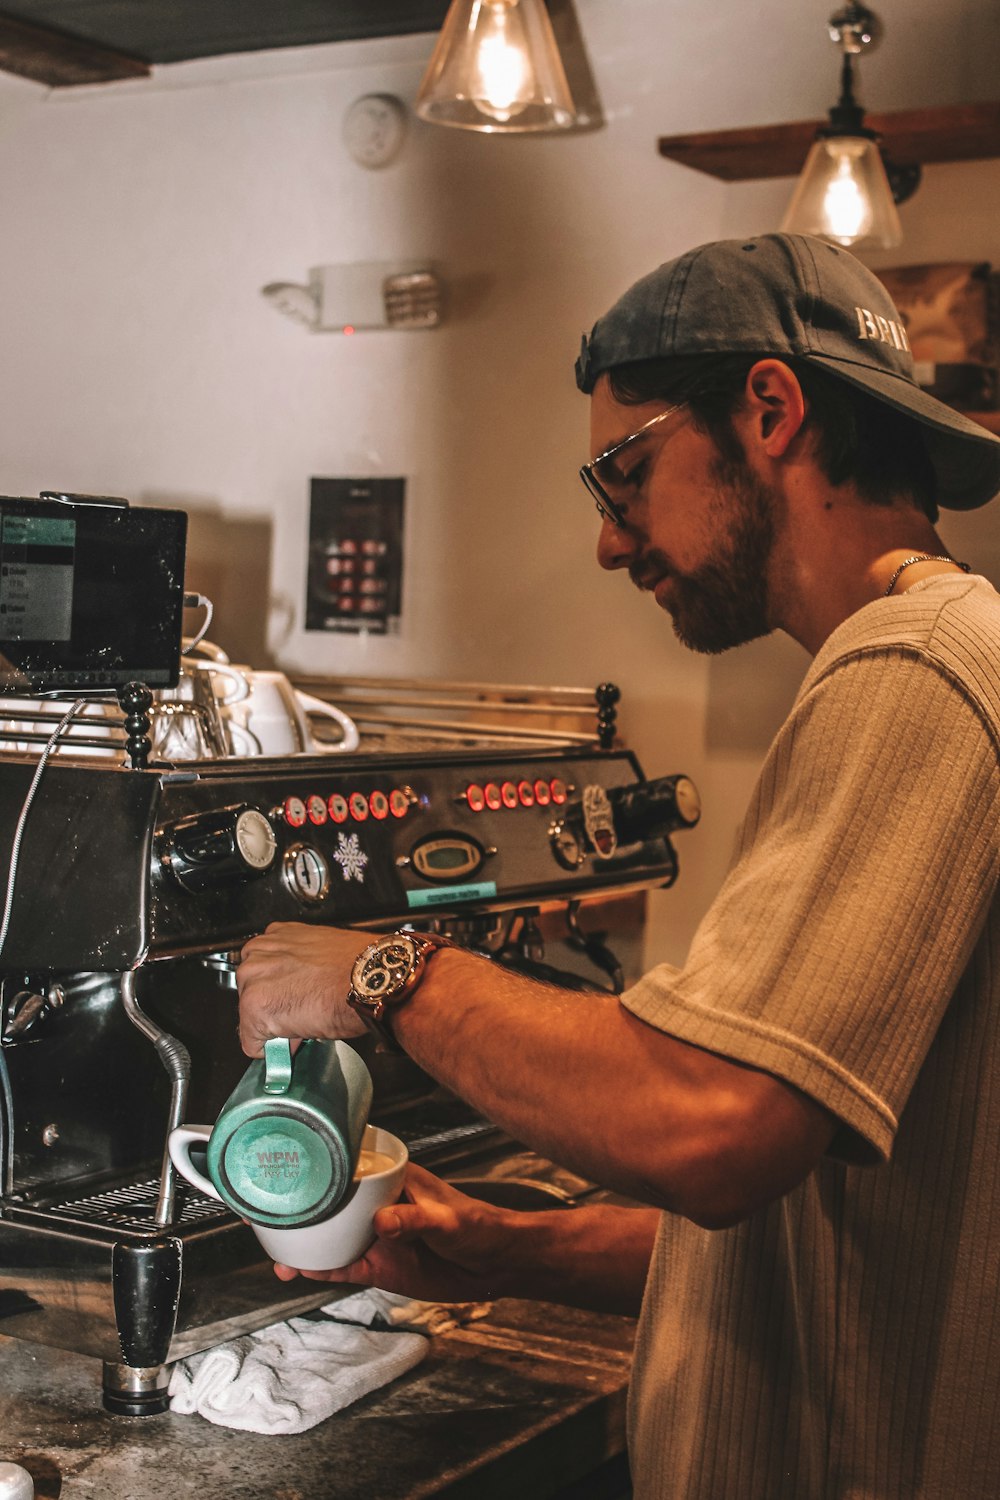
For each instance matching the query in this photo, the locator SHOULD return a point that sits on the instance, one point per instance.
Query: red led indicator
(543, 793)
(525, 794)
(359, 806)
(475, 797)
(348, 328)
(399, 803)
(317, 810)
(379, 804)
(338, 809)
(492, 794)
(295, 812)
(508, 794)
(559, 791)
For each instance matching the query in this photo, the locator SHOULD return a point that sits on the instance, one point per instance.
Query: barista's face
(699, 528)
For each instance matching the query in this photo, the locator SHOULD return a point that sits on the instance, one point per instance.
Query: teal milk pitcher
(284, 1148)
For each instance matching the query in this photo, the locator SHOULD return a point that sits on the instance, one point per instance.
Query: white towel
(377, 1309)
(291, 1376)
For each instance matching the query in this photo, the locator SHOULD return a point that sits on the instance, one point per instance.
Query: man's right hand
(437, 1245)
(293, 981)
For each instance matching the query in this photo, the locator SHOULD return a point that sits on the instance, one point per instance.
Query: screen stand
(135, 701)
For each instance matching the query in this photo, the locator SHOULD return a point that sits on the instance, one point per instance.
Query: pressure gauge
(307, 874)
(374, 127)
(255, 839)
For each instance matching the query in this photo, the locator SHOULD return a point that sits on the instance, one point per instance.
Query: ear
(775, 407)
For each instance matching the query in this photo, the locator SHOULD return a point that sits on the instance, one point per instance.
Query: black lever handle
(655, 809)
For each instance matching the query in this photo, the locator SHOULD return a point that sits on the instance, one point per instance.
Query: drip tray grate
(133, 1208)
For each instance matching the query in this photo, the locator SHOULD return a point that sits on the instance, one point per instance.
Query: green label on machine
(446, 895)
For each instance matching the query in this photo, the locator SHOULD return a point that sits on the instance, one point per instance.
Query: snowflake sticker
(350, 856)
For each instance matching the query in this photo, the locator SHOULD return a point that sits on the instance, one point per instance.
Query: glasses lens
(605, 505)
(605, 474)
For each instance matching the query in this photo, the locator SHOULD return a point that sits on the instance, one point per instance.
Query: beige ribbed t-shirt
(844, 1344)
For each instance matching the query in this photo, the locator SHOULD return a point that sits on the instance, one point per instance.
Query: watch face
(384, 969)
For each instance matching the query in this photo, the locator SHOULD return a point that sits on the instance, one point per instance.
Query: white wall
(141, 219)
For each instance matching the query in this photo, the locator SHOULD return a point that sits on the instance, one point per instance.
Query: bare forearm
(595, 1257)
(581, 1080)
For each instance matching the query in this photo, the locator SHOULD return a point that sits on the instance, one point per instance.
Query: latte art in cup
(370, 1162)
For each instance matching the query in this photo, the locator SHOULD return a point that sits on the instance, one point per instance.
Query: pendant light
(844, 193)
(496, 67)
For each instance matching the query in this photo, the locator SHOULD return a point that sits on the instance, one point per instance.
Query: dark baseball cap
(790, 294)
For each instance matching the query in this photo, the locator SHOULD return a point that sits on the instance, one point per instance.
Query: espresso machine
(130, 885)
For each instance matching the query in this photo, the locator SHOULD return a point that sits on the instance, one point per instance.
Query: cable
(198, 601)
(15, 848)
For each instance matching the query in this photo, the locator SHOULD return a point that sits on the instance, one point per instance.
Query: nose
(616, 546)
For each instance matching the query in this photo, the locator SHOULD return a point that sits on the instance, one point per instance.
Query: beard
(724, 602)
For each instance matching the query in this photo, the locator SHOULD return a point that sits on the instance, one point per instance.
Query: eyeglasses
(604, 475)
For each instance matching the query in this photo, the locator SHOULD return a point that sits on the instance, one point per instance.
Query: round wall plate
(374, 127)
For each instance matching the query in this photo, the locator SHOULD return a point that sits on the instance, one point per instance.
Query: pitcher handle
(277, 1065)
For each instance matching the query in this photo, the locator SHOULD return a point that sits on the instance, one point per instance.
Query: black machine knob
(219, 848)
(654, 809)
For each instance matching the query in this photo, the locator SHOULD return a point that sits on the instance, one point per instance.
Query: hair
(858, 438)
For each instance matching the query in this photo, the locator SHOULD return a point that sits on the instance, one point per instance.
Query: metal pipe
(477, 731)
(177, 1061)
(493, 693)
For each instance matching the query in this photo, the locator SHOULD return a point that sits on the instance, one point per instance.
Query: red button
(295, 812)
(492, 794)
(508, 794)
(317, 810)
(475, 797)
(359, 806)
(338, 808)
(399, 803)
(379, 804)
(525, 794)
(559, 791)
(543, 793)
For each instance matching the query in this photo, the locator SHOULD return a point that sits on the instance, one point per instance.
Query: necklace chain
(922, 557)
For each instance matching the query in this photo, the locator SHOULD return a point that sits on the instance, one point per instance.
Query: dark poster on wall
(354, 579)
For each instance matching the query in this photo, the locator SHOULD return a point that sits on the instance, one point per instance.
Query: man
(814, 1098)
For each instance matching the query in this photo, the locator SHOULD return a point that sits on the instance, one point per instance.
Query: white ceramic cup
(229, 684)
(336, 1241)
(276, 714)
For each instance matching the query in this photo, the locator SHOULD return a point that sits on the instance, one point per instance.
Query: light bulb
(502, 67)
(846, 210)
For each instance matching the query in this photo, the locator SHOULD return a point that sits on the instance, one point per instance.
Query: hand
(293, 981)
(436, 1244)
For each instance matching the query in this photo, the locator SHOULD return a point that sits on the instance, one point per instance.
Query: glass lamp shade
(844, 195)
(496, 67)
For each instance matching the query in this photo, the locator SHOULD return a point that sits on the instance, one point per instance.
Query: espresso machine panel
(120, 866)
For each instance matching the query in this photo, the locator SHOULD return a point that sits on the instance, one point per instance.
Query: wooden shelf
(948, 133)
(59, 59)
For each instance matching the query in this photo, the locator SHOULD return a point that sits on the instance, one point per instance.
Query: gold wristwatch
(385, 975)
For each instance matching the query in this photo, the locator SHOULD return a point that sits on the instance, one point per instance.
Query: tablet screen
(91, 594)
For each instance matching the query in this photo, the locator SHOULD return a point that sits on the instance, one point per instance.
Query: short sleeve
(865, 868)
